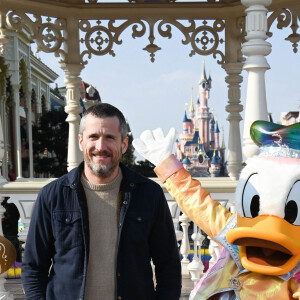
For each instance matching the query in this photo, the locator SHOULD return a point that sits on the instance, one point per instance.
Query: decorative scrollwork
(99, 39)
(48, 35)
(204, 39)
(285, 18)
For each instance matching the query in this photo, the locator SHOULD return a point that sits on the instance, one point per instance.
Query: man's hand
(154, 146)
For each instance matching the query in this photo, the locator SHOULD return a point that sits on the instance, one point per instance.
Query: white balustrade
(185, 244)
(196, 266)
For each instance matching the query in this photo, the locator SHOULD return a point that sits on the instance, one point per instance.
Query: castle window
(201, 158)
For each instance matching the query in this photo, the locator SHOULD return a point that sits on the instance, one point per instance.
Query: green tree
(144, 167)
(50, 147)
(128, 157)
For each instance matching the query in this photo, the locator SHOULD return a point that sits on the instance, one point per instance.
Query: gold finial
(185, 105)
(192, 110)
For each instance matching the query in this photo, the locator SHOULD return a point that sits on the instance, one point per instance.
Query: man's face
(102, 147)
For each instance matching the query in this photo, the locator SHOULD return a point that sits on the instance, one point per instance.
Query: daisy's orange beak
(268, 244)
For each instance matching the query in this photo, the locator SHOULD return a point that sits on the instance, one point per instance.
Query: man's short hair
(104, 110)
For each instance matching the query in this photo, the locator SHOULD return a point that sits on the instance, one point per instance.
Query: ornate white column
(255, 48)
(17, 130)
(196, 266)
(29, 127)
(5, 295)
(48, 100)
(73, 109)
(3, 121)
(72, 67)
(185, 244)
(3, 141)
(38, 100)
(2, 179)
(234, 152)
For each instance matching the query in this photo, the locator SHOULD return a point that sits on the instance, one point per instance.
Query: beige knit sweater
(103, 202)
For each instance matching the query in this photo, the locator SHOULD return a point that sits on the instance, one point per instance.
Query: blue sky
(153, 95)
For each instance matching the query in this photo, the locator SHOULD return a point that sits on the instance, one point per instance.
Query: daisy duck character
(261, 242)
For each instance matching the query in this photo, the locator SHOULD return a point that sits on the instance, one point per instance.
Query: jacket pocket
(137, 227)
(139, 217)
(67, 228)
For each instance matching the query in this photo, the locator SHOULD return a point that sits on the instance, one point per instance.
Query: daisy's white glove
(154, 146)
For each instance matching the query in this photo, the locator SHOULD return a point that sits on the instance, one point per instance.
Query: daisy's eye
(250, 198)
(292, 206)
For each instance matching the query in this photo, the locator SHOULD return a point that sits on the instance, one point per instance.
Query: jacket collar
(130, 177)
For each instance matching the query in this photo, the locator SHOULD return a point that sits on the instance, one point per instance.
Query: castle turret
(198, 104)
(185, 123)
(204, 115)
(217, 136)
(215, 167)
(188, 125)
(223, 147)
(186, 162)
(212, 130)
(209, 81)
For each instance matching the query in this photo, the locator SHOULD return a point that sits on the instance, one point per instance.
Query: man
(94, 231)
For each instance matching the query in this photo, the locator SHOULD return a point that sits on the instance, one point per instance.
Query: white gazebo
(76, 30)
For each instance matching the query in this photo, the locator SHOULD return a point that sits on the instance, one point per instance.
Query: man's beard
(104, 171)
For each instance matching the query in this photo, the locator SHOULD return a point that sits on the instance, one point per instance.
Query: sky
(153, 95)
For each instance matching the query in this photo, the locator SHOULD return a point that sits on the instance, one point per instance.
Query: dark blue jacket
(57, 247)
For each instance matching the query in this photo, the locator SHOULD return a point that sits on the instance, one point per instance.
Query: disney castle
(198, 146)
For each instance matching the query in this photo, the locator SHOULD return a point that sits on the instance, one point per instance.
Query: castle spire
(223, 141)
(203, 77)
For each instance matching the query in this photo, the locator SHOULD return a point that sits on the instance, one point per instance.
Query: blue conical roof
(186, 161)
(214, 160)
(217, 128)
(185, 118)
